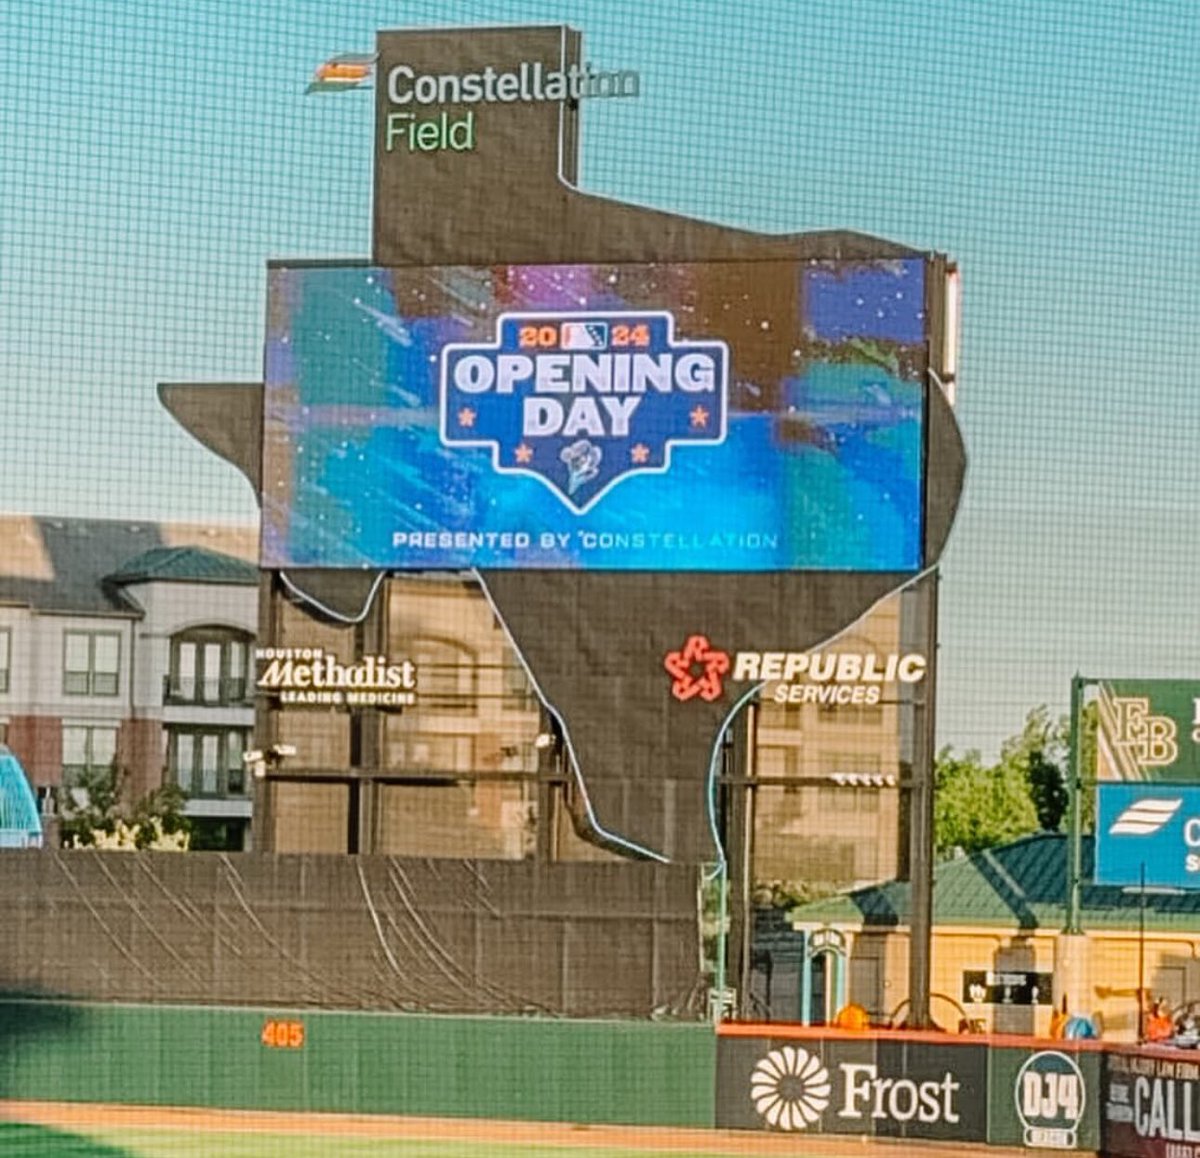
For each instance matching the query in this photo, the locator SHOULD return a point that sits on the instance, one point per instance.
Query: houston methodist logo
(801, 677)
(583, 400)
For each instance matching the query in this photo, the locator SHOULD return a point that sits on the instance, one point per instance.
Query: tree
(95, 812)
(976, 807)
(1039, 754)
(1048, 790)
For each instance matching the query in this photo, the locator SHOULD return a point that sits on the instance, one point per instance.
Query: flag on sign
(347, 70)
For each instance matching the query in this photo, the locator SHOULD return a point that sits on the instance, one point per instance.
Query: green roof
(1019, 885)
(185, 565)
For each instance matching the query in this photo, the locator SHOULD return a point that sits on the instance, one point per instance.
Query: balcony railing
(224, 692)
(210, 783)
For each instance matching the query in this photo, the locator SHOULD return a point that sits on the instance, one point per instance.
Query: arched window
(210, 665)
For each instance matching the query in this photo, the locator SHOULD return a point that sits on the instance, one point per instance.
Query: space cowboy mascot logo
(583, 400)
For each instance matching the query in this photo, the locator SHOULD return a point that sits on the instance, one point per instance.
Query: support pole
(1074, 812)
(920, 827)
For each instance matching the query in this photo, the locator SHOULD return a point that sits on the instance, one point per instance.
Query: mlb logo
(583, 336)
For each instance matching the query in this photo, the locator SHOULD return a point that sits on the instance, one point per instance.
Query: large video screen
(733, 416)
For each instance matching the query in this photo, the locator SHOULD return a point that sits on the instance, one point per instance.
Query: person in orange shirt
(1160, 1026)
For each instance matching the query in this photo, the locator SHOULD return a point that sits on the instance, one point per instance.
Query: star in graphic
(466, 416)
(523, 453)
(699, 416)
(697, 669)
(639, 453)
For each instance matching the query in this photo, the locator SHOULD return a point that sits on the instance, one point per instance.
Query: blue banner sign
(720, 416)
(1147, 828)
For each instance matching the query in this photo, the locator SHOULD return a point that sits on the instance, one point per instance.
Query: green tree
(1047, 789)
(1039, 754)
(976, 807)
(96, 812)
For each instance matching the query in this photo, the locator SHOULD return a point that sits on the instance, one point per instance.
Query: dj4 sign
(1050, 1096)
(583, 400)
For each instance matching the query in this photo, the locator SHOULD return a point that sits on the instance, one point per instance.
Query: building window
(852, 715)
(446, 673)
(518, 691)
(87, 749)
(432, 752)
(5, 657)
(91, 663)
(209, 666)
(778, 762)
(208, 761)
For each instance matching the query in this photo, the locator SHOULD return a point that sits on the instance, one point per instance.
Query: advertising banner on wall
(1044, 1098)
(1150, 829)
(863, 1086)
(1148, 730)
(311, 677)
(1151, 1104)
(723, 416)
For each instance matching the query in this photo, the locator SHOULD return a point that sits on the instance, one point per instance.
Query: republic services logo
(697, 668)
(1145, 817)
(581, 401)
(790, 1088)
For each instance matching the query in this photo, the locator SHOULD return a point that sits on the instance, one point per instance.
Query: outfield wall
(1010, 1091)
(640, 1073)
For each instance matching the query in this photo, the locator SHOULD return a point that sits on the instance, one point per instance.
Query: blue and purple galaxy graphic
(643, 420)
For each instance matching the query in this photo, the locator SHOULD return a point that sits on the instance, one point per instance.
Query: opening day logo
(582, 400)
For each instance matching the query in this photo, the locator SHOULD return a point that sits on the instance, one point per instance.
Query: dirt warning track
(662, 1139)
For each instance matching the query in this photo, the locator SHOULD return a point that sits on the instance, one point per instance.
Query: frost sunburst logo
(790, 1088)
(583, 400)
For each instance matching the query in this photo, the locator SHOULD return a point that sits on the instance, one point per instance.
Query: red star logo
(697, 669)
(466, 416)
(699, 416)
(639, 453)
(523, 453)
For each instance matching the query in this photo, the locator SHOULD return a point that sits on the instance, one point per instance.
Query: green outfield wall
(581, 1071)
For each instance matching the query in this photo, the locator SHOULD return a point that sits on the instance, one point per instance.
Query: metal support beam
(1074, 811)
(920, 825)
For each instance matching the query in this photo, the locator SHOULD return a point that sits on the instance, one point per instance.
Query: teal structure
(20, 821)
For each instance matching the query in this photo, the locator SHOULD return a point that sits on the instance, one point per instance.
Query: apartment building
(132, 642)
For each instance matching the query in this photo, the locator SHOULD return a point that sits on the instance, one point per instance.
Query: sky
(153, 157)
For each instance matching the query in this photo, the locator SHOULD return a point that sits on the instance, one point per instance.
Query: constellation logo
(790, 1088)
(1145, 817)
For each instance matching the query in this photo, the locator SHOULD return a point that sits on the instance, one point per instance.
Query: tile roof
(1018, 885)
(184, 565)
(66, 565)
